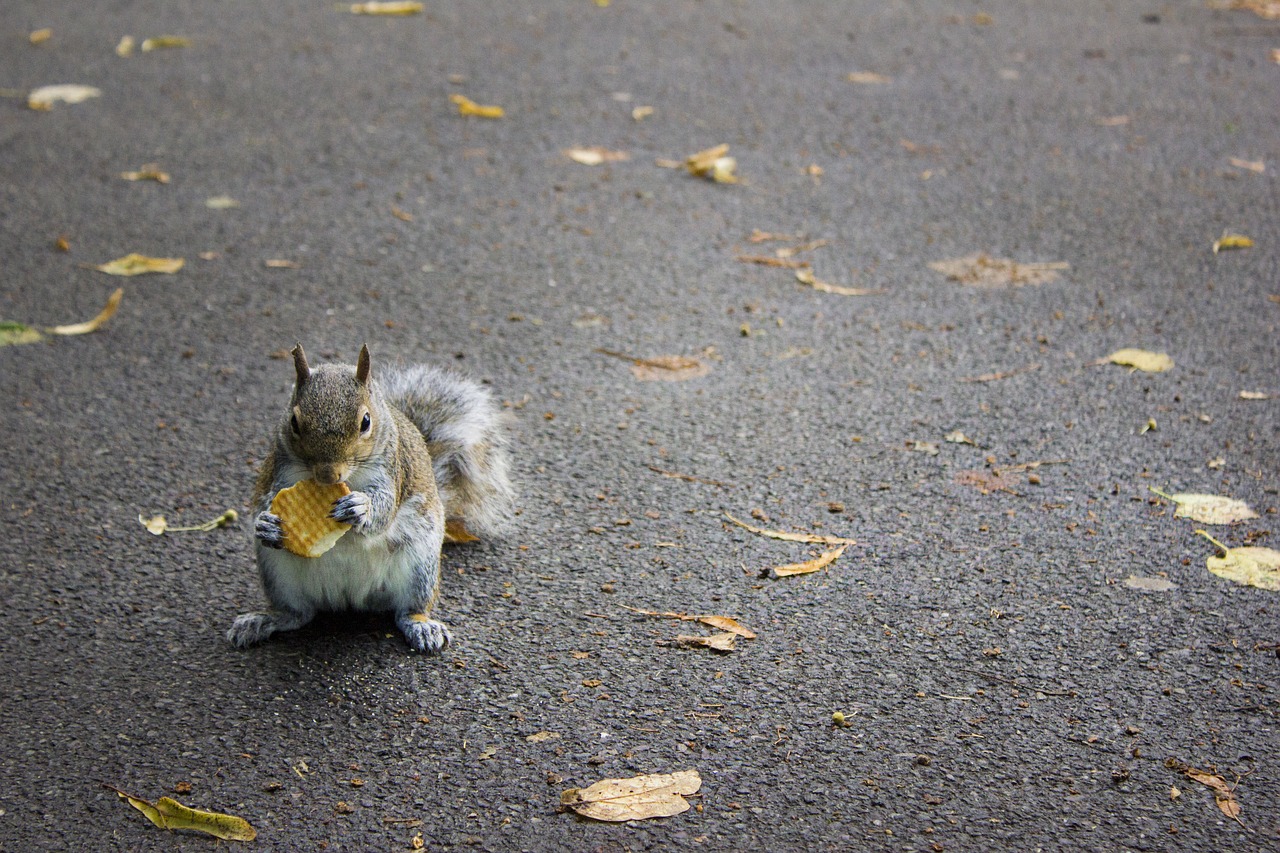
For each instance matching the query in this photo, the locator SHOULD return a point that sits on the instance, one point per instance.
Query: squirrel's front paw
(424, 634)
(353, 509)
(266, 527)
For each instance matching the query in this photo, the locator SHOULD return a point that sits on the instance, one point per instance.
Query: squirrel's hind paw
(424, 634)
(249, 629)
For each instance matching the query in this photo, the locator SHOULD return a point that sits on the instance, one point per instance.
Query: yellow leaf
(159, 42)
(68, 93)
(805, 276)
(981, 270)
(113, 302)
(819, 562)
(156, 525)
(713, 164)
(638, 798)
(135, 264)
(1139, 359)
(168, 813)
(387, 8)
(40, 36)
(125, 47)
(1231, 241)
(13, 333)
(724, 642)
(595, 155)
(221, 202)
(807, 538)
(468, 107)
(1250, 566)
(1208, 509)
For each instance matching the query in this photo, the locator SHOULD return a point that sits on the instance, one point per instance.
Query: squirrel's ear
(300, 365)
(362, 366)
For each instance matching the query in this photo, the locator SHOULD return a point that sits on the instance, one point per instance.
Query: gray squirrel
(422, 450)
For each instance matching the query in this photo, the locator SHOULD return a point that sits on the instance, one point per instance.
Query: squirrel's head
(332, 422)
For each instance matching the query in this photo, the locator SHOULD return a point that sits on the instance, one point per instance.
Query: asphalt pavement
(1024, 650)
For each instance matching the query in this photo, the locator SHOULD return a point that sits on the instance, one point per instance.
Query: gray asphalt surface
(1006, 690)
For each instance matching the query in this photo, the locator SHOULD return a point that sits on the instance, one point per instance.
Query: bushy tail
(467, 436)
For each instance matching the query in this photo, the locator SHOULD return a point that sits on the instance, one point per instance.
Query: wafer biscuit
(304, 510)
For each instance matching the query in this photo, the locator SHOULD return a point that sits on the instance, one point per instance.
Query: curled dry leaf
(1139, 359)
(468, 107)
(386, 8)
(662, 368)
(1249, 566)
(135, 264)
(595, 155)
(1223, 794)
(713, 164)
(805, 276)
(981, 270)
(68, 93)
(20, 333)
(724, 623)
(637, 798)
(1208, 509)
(1231, 241)
(723, 642)
(809, 566)
(784, 536)
(168, 813)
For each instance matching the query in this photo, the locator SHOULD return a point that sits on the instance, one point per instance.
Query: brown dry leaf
(68, 93)
(758, 236)
(820, 562)
(1268, 9)
(168, 813)
(147, 172)
(985, 482)
(161, 42)
(713, 164)
(662, 368)
(1231, 241)
(113, 302)
(867, 78)
(724, 642)
(792, 251)
(386, 8)
(1249, 566)
(784, 536)
(542, 737)
(638, 798)
(135, 264)
(981, 270)
(1208, 509)
(805, 276)
(1223, 795)
(595, 155)
(1139, 359)
(468, 107)
(724, 623)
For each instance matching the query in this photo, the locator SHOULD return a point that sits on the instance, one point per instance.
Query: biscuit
(304, 516)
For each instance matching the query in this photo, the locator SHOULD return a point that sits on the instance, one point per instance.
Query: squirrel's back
(467, 435)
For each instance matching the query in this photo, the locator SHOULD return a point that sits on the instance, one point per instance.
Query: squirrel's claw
(424, 634)
(352, 509)
(267, 529)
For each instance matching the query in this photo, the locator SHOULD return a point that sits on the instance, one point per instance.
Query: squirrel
(422, 449)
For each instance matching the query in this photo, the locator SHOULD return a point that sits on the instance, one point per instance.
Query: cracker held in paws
(415, 456)
(304, 510)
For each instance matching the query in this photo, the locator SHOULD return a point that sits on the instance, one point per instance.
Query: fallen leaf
(957, 437)
(40, 36)
(724, 623)
(1259, 166)
(13, 333)
(1249, 566)
(113, 302)
(867, 78)
(125, 46)
(758, 236)
(981, 270)
(782, 535)
(1223, 795)
(641, 113)
(135, 264)
(221, 202)
(929, 448)
(808, 566)
(281, 264)
(662, 368)
(160, 42)
(724, 642)
(1149, 584)
(1268, 9)
(1139, 359)
(168, 813)
(1231, 241)
(1208, 509)
(1254, 395)
(713, 164)
(157, 525)
(805, 276)
(542, 737)
(985, 482)
(68, 93)
(791, 251)
(595, 155)
(386, 8)
(468, 107)
(637, 798)
(148, 172)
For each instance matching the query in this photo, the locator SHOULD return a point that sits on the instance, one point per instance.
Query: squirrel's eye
(365, 423)
(293, 425)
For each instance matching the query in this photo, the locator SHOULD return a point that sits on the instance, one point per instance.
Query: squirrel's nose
(330, 474)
